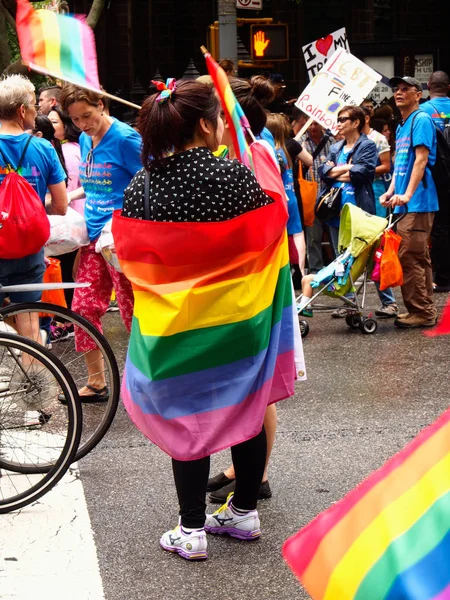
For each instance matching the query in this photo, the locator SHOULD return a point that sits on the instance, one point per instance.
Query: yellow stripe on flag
(50, 31)
(392, 522)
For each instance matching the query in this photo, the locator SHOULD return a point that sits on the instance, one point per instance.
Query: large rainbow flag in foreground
(62, 46)
(215, 331)
(389, 539)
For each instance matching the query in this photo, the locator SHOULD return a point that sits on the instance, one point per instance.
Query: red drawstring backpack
(24, 225)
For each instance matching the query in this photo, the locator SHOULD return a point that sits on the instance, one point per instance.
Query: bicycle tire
(88, 440)
(74, 425)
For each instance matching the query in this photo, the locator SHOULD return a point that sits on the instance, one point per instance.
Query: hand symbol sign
(260, 43)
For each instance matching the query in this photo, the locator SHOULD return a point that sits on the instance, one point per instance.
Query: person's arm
(417, 174)
(75, 194)
(385, 198)
(362, 168)
(58, 203)
(385, 160)
(305, 157)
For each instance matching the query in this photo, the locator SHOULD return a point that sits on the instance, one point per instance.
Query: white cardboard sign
(317, 53)
(343, 80)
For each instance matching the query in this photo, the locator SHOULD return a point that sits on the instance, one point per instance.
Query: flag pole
(34, 67)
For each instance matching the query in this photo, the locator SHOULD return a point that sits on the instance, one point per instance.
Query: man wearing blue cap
(412, 189)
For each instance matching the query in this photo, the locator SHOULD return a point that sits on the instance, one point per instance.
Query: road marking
(47, 549)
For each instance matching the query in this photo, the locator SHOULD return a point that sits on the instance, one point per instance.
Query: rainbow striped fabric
(215, 330)
(61, 46)
(235, 115)
(389, 539)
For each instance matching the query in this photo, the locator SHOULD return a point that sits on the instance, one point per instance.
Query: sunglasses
(343, 119)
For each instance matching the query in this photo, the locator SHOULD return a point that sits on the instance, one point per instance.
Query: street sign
(269, 42)
(249, 4)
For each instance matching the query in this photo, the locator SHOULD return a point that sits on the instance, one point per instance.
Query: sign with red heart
(324, 44)
(317, 53)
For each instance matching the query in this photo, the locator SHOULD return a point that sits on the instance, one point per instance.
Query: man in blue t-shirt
(412, 188)
(438, 107)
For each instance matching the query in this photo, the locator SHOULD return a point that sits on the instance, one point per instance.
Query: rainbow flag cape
(236, 118)
(215, 335)
(389, 539)
(61, 46)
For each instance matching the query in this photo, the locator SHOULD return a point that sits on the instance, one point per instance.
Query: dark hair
(227, 65)
(366, 111)
(171, 124)
(54, 90)
(71, 133)
(378, 124)
(439, 82)
(253, 95)
(71, 94)
(355, 113)
(43, 125)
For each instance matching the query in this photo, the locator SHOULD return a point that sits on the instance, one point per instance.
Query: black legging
(191, 477)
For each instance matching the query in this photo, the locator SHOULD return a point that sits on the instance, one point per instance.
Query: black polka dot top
(195, 186)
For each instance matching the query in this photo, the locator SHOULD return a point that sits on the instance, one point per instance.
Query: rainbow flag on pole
(236, 119)
(215, 335)
(389, 539)
(61, 46)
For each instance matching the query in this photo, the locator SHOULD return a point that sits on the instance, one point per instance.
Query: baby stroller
(359, 236)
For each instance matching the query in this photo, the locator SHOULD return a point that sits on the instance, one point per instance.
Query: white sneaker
(191, 546)
(31, 418)
(244, 526)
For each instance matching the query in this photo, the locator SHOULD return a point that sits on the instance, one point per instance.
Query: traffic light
(269, 42)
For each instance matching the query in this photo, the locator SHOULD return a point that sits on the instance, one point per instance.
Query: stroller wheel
(368, 326)
(304, 328)
(353, 321)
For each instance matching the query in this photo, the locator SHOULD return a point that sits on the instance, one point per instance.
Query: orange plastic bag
(308, 191)
(53, 275)
(391, 272)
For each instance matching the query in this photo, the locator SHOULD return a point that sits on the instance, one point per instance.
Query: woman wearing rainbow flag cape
(214, 326)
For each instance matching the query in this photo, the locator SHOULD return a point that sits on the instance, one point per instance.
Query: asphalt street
(365, 398)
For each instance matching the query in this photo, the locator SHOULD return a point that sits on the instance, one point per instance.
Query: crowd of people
(78, 155)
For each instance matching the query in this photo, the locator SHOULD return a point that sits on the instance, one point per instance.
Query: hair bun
(262, 89)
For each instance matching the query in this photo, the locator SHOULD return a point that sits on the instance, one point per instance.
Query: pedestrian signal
(269, 42)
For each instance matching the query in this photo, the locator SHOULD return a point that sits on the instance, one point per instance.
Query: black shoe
(220, 497)
(218, 482)
(441, 289)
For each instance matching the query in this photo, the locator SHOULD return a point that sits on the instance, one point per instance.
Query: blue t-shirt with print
(114, 162)
(417, 130)
(439, 111)
(41, 166)
(294, 224)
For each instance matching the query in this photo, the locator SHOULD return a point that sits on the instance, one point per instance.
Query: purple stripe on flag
(195, 436)
(210, 389)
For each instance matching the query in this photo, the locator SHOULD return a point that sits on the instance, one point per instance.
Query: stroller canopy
(358, 230)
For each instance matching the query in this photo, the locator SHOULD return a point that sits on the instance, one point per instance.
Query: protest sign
(343, 80)
(317, 53)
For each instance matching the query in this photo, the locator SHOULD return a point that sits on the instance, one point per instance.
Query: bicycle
(31, 378)
(97, 417)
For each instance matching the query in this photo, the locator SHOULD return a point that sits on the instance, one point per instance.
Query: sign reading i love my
(317, 53)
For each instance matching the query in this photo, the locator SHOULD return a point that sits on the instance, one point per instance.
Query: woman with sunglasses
(110, 156)
(351, 165)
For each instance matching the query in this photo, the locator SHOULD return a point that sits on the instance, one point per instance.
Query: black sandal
(99, 395)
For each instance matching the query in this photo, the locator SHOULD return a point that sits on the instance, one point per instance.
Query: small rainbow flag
(388, 539)
(215, 334)
(62, 46)
(236, 118)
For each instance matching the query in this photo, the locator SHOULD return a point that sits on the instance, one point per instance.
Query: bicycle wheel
(97, 417)
(30, 381)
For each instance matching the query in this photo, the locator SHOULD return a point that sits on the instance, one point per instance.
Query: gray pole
(227, 29)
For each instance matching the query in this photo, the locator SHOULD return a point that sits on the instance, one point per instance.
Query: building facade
(135, 38)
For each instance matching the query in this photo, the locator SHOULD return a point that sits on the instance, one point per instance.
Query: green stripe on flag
(209, 347)
(407, 550)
